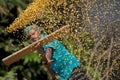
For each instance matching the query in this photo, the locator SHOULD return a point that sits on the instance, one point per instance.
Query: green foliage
(9, 76)
(94, 39)
(9, 10)
(32, 58)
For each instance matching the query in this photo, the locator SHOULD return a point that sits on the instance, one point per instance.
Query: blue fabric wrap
(35, 27)
(64, 62)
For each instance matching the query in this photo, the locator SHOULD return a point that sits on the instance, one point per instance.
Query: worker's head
(34, 33)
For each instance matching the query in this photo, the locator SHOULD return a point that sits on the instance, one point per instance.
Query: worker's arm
(48, 55)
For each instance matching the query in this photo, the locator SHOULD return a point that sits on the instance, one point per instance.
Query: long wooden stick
(32, 47)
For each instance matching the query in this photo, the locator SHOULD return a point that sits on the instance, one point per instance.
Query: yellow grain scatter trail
(33, 12)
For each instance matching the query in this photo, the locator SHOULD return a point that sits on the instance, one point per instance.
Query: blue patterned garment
(64, 62)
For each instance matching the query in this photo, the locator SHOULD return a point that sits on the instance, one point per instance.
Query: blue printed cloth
(64, 62)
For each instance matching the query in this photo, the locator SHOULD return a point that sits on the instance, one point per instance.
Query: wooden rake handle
(32, 47)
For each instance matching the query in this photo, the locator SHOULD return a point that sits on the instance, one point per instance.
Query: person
(62, 62)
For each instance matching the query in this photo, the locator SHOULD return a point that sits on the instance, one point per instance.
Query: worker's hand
(56, 77)
(47, 62)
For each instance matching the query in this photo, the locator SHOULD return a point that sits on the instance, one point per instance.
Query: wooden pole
(32, 47)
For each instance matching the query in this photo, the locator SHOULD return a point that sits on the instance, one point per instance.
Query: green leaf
(2, 2)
